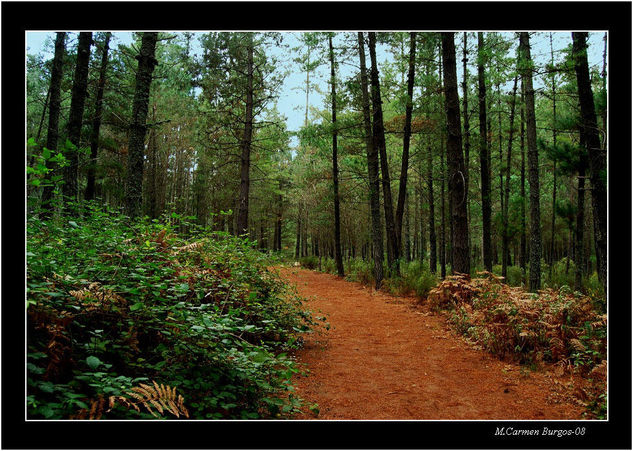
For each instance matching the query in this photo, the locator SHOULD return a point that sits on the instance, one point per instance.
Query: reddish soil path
(387, 358)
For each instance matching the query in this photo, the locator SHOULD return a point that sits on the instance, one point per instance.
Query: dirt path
(386, 358)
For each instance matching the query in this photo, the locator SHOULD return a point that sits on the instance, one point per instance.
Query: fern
(162, 398)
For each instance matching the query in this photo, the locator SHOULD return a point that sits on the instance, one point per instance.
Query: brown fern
(154, 398)
(95, 412)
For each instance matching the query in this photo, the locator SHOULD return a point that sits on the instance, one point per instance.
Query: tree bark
(405, 143)
(432, 235)
(484, 158)
(75, 117)
(506, 238)
(245, 161)
(597, 155)
(379, 142)
(337, 212)
(523, 253)
(533, 174)
(466, 130)
(456, 179)
(372, 170)
(138, 128)
(554, 139)
(580, 225)
(53, 113)
(96, 122)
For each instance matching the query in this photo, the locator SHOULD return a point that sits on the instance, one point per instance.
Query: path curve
(386, 357)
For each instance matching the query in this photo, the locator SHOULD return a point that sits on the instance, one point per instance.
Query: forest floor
(391, 358)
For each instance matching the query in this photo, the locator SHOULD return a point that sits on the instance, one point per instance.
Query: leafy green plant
(112, 303)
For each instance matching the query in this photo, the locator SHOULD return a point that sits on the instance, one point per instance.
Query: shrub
(557, 326)
(359, 270)
(114, 303)
(514, 275)
(310, 262)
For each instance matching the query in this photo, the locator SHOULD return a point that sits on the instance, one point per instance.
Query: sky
(291, 102)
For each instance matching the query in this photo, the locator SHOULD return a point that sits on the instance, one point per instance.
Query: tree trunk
(554, 136)
(372, 170)
(597, 155)
(245, 163)
(506, 239)
(484, 158)
(75, 117)
(53, 113)
(442, 211)
(379, 142)
(533, 174)
(337, 213)
(96, 122)
(298, 240)
(138, 128)
(402, 190)
(523, 253)
(456, 180)
(580, 225)
(466, 131)
(432, 235)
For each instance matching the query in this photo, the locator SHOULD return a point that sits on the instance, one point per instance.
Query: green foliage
(514, 277)
(112, 303)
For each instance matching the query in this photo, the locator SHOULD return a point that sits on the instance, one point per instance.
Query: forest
(181, 184)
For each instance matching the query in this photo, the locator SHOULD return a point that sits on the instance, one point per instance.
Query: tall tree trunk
(406, 234)
(96, 121)
(460, 260)
(443, 180)
(245, 163)
(442, 211)
(372, 170)
(298, 240)
(53, 113)
(580, 225)
(500, 139)
(466, 130)
(278, 221)
(432, 236)
(75, 117)
(554, 139)
(523, 253)
(597, 155)
(484, 158)
(506, 238)
(138, 128)
(533, 174)
(379, 142)
(337, 213)
(402, 190)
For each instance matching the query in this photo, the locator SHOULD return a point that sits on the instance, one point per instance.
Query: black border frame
(18, 17)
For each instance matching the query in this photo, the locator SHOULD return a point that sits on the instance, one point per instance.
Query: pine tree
(456, 181)
(52, 136)
(136, 147)
(532, 154)
(75, 117)
(96, 121)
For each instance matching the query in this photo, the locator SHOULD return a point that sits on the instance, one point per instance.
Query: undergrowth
(560, 326)
(415, 277)
(114, 305)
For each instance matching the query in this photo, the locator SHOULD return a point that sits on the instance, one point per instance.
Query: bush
(359, 270)
(310, 262)
(556, 326)
(514, 277)
(114, 303)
